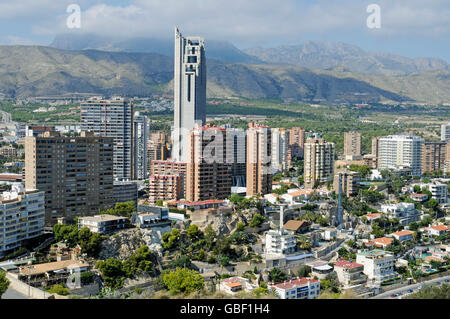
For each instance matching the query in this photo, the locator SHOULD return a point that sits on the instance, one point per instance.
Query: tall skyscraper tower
(141, 131)
(112, 118)
(189, 91)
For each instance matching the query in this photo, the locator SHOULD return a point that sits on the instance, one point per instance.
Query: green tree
(277, 275)
(140, 262)
(210, 235)
(58, 289)
(240, 226)
(181, 262)
(183, 280)
(4, 283)
(193, 232)
(112, 272)
(432, 292)
(171, 239)
(257, 220)
(303, 271)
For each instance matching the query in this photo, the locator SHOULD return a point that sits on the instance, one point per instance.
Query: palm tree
(304, 243)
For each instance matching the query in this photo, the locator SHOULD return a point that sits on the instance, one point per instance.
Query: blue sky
(411, 28)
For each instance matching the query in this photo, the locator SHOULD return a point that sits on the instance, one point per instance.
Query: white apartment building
(233, 285)
(298, 288)
(279, 242)
(22, 216)
(405, 212)
(102, 223)
(378, 264)
(400, 151)
(438, 190)
(350, 273)
(280, 148)
(445, 132)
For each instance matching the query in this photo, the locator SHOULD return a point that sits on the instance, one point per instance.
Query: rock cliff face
(124, 243)
(223, 223)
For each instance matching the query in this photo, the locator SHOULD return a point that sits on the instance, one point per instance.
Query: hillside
(35, 71)
(340, 56)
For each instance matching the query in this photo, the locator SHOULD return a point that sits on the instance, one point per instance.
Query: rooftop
(295, 225)
(383, 241)
(347, 264)
(440, 227)
(53, 266)
(403, 233)
(101, 218)
(289, 284)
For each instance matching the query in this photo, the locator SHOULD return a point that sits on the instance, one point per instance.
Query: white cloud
(246, 22)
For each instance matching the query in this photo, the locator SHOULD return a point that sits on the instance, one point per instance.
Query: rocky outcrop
(124, 243)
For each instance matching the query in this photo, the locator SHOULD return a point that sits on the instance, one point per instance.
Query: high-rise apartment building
(352, 145)
(208, 176)
(236, 155)
(141, 132)
(169, 168)
(21, 215)
(399, 152)
(259, 157)
(349, 183)
(165, 188)
(319, 160)
(112, 118)
(158, 148)
(189, 90)
(445, 132)
(76, 173)
(297, 142)
(433, 156)
(280, 149)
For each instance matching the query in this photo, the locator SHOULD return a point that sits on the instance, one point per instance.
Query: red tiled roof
(372, 215)
(347, 264)
(403, 233)
(440, 227)
(203, 202)
(383, 241)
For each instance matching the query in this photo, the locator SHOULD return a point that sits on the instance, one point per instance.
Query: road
(403, 291)
(13, 294)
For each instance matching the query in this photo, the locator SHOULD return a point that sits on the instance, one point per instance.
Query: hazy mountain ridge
(220, 50)
(345, 57)
(35, 71)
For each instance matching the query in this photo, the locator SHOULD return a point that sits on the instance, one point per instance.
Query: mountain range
(108, 67)
(324, 55)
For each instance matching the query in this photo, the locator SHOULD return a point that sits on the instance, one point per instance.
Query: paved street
(13, 294)
(403, 291)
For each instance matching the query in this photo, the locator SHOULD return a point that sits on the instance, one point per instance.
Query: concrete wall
(25, 289)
